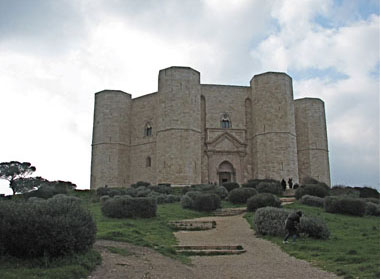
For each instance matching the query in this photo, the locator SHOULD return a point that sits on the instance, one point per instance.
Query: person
(283, 184)
(290, 182)
(291, 225)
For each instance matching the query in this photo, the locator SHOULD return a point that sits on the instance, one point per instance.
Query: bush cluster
(341, 190)
(241, 195)
(45, 228)
(372, 209)
(317, 190)
(230, 185)
(162, 193)
(345, 205)
(270, 187)
(314, 227)
(200, 201)
(270, 221)
(262, 200)
(139, 184)
(252, 183)
(312, 201)
(128, 207)
(221, 191)
(367, 192)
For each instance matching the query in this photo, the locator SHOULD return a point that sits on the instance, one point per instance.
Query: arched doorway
(226, 172)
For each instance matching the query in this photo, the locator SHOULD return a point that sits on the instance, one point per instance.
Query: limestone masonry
(192, 133)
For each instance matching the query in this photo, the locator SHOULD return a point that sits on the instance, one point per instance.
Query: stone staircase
(193, 225)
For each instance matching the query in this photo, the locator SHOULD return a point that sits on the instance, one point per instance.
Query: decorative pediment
(226, 142)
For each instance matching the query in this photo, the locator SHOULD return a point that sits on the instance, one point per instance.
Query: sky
(54, 55)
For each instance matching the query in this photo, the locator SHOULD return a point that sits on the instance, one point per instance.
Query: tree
(15, 170)
(26, 184)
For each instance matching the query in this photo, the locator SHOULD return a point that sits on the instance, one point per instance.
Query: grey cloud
(40, 24)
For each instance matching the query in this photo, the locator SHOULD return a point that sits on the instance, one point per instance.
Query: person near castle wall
(291, 225)
(290, 182)
(283, 184)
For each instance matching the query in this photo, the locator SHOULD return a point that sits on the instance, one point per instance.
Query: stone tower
(179, 126)
(110, 139)
(274, 138)
(313, 158)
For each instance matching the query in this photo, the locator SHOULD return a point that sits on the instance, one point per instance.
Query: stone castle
(191, 133)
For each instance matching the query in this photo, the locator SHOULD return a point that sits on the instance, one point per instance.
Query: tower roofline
(112, 91)
(270, 73)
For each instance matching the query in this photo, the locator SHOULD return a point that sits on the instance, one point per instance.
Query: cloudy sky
(54, 55)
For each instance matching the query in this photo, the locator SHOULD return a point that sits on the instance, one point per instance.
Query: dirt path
(262, 259)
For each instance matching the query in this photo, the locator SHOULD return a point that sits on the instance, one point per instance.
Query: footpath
(262, 259)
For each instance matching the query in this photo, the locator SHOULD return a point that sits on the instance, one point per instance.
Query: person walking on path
(291, 225)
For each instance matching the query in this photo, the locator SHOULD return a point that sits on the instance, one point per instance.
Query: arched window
(225, 122)
(148, 162)
(148, 130)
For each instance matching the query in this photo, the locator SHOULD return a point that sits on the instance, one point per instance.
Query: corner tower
(111, 139)
(313, 156)
(179, 126)
(274, 146)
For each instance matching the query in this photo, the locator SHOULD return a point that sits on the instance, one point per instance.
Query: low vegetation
(262, 200)
(351, 251)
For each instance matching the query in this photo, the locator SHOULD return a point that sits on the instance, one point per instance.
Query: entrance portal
(226, 172)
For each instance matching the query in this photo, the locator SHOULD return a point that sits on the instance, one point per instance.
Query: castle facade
(191, 133)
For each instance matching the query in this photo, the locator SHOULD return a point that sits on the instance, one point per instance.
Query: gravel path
(262, 259)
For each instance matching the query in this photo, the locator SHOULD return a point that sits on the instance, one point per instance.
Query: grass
(155, 233)
(70, 267)
(353, 250)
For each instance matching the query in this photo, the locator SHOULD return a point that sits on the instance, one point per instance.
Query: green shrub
(126, 207)
(172, 198)
(270, 221)
(262, 200)
(373, 200)
(317, 190)
(45, 228)
(270, 187)
(206, 202)
(200, 201)
(186, 201)
(142, 191)
(367, 192)
(241, 195)
(163, 189)
(345, 205)
(341, 190)
(221, 191)
(372, 209)
(312, 200)
(230, 185)
(140, 183)
(314, 227)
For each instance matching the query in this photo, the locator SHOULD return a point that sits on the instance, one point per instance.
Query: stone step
(210, 249)
(193, 225)
(229, 211)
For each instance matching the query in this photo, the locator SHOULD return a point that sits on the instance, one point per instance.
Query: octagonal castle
(192, 133)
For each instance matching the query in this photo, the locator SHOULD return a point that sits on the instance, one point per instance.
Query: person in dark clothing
(291, 225)
(290, 182)
(283, 184)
